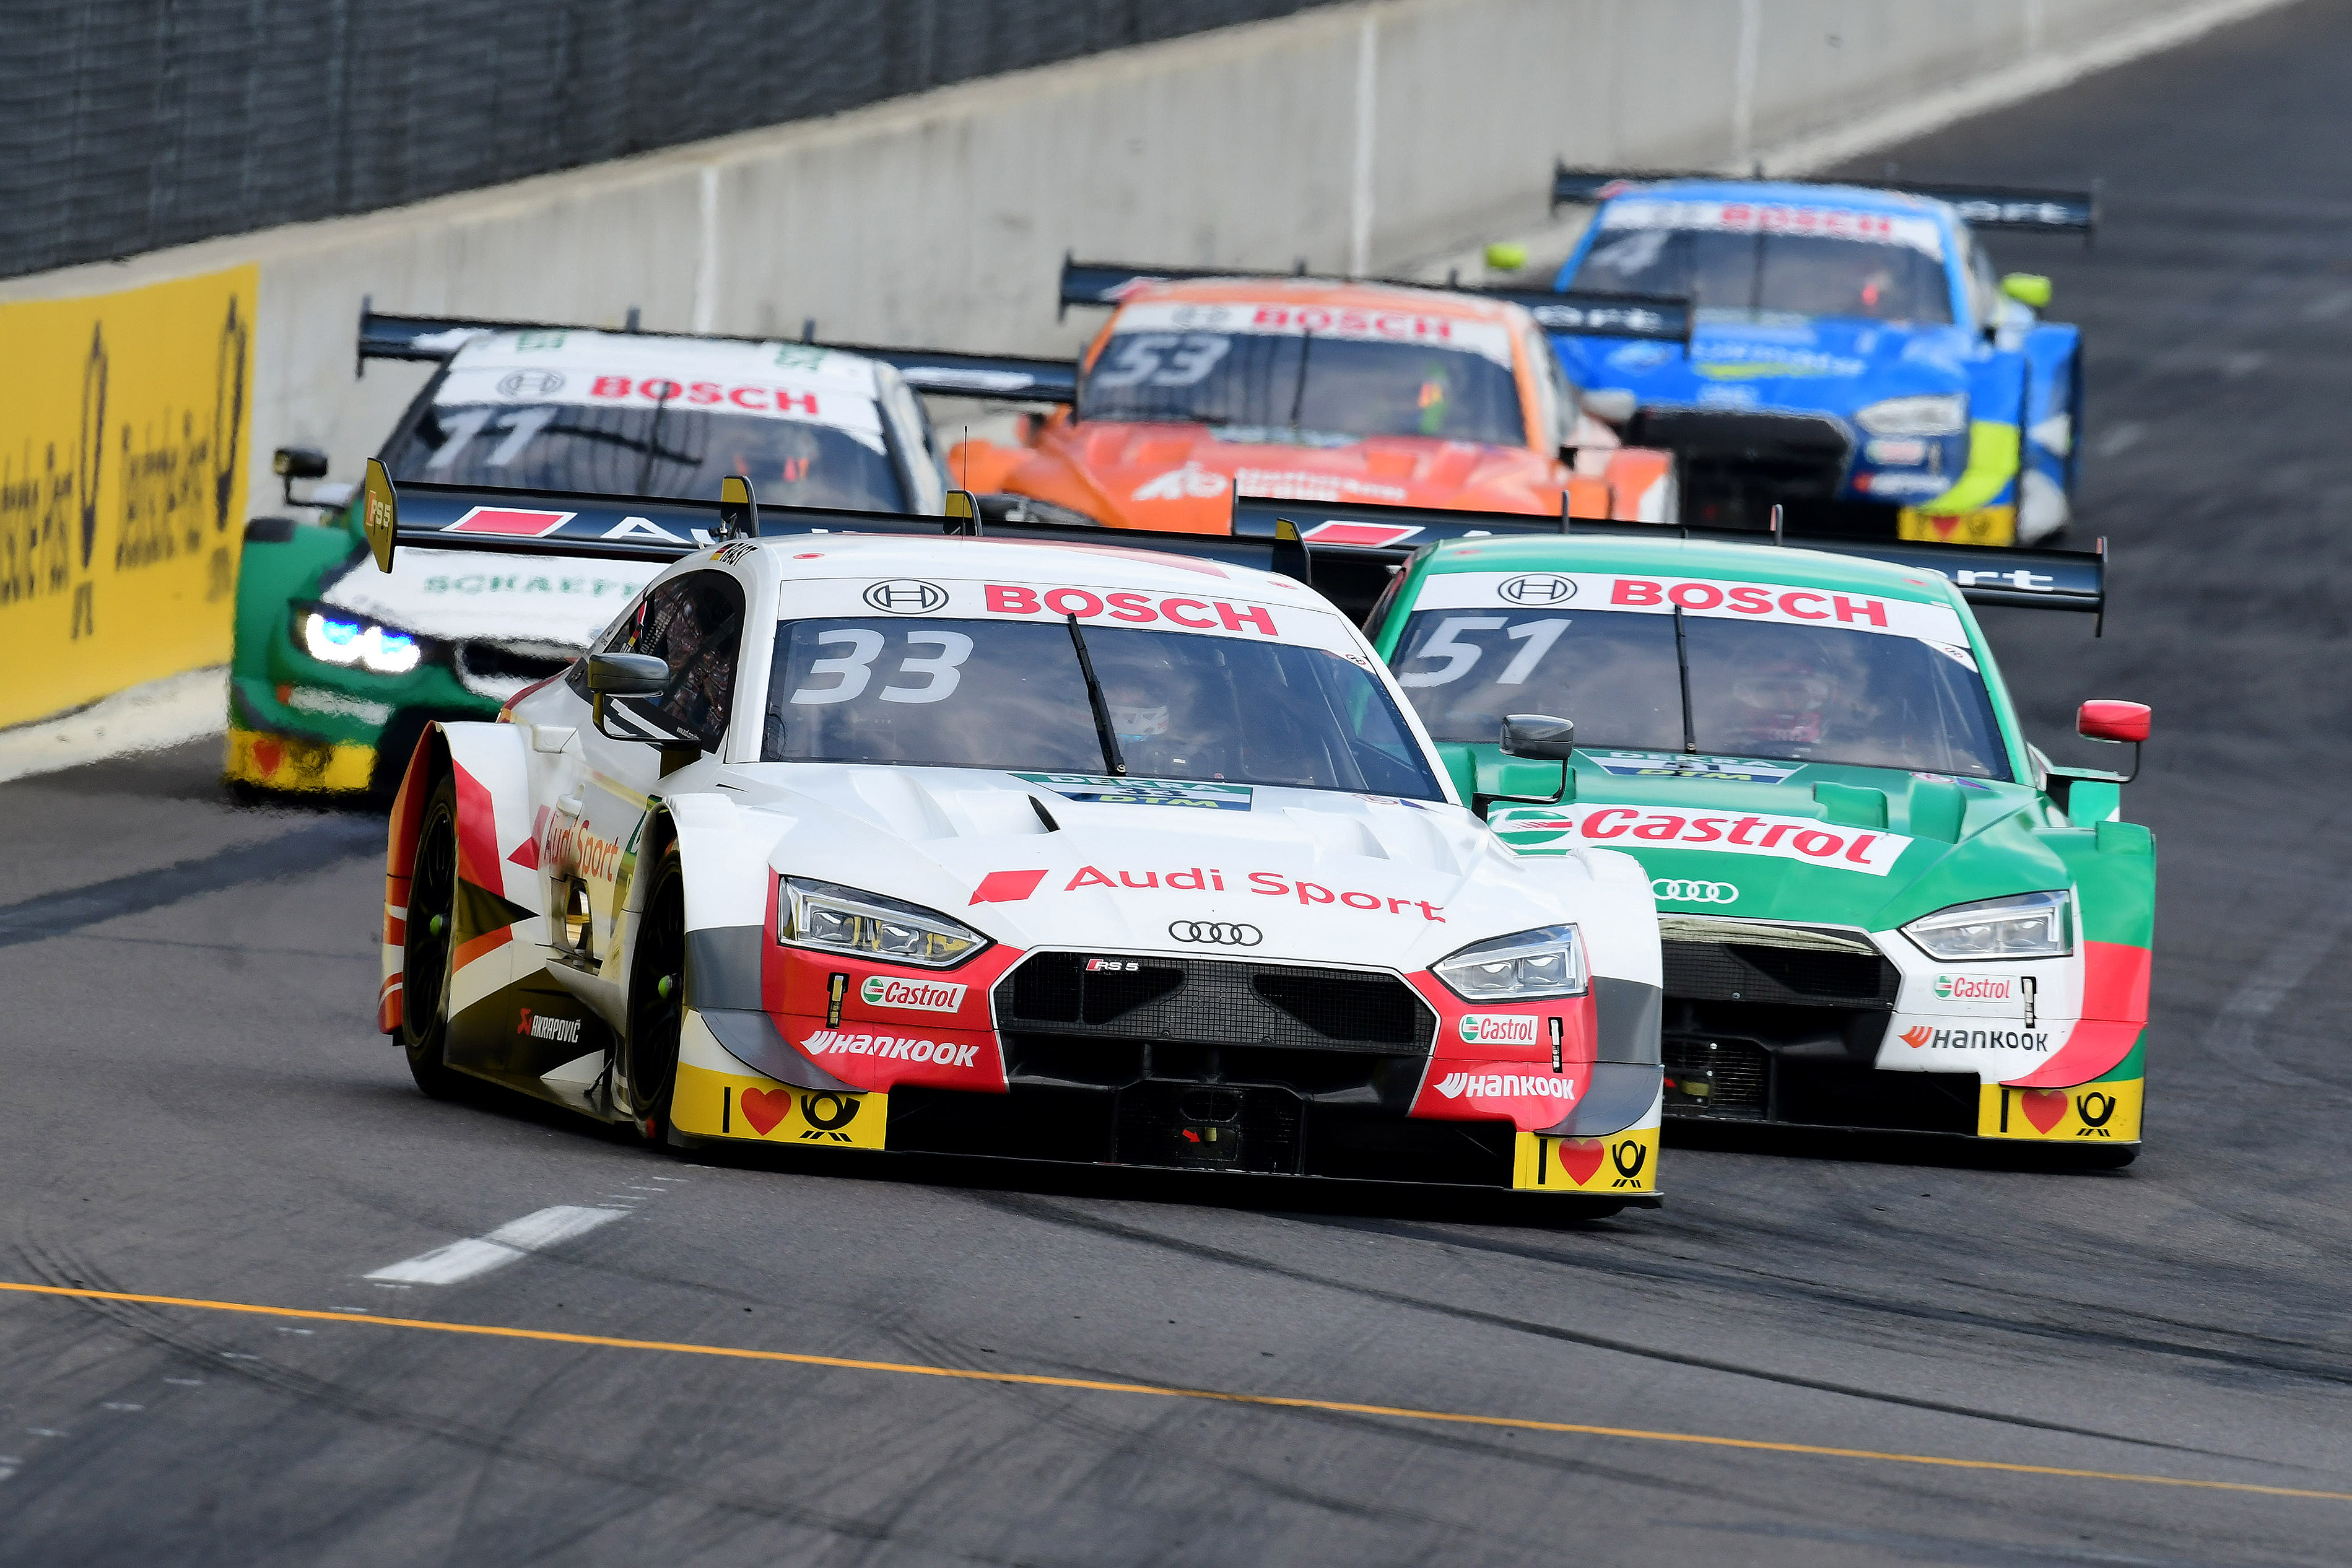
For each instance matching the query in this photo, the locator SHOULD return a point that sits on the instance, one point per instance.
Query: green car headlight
(845, 919)
(2025, 925)
(1944, 413)
(335, 637)
(1546, 962)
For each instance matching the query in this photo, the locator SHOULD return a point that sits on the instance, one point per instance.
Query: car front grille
(1735, 464)
(1207, 1001)
(1718, 1076)
(1713, 960)
(501, 668)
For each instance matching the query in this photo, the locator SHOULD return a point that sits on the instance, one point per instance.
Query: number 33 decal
(854, 668)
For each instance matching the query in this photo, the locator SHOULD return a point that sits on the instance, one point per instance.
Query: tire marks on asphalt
(305, 849)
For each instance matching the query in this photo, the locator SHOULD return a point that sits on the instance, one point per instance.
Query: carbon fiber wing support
(1345, 534)
(637, 527)
(944, 372)
(2023, 207)
(1660, 316)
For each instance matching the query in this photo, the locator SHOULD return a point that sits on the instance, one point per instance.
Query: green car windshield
(1674, 683)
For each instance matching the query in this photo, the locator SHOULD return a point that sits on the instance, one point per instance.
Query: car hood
(1678, 816)
(1182, 477)
(1310, 875)
(1824, 365)
(526, 598)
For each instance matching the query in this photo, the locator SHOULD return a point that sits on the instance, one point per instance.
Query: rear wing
(1351, 541)
(2027, 208)
(414, 515)
(1663, 317)
(941, 372)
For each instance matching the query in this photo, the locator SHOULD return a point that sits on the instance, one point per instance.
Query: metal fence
(126, 125)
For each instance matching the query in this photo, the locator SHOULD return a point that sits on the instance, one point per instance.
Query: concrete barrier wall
(1358, 136)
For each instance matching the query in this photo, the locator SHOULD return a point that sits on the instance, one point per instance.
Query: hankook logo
(1538, 588)
(531, 384)
(1223, 934)
(1680, 891)
(906, 596)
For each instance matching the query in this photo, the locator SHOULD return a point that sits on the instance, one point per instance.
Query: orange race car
(1204, 388)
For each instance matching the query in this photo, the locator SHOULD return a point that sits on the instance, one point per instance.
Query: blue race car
(1855, 359)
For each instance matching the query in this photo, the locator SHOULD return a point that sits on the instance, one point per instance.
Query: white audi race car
(861, 832)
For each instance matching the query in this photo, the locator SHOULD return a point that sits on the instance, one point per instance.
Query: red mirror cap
(2103, 719)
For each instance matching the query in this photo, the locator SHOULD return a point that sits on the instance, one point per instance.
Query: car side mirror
(626, 675)
(1611, 405)
(292, 463)
(739, 510)
(1538, 736)
(2027, 289)
(2103, 719)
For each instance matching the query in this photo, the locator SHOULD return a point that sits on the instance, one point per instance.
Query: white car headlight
(845, 919)
(1546, 962)
(2026, 925)
(333, 639)
(1944, 413)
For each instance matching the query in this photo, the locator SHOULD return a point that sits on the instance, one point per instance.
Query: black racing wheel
(657, 998)
(432, 943)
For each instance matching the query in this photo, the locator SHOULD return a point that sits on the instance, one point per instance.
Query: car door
(694, 624)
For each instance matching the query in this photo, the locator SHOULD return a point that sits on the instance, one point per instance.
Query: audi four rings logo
(905, 597)
(1677, 890)
(1223, 934)
(1539, 588)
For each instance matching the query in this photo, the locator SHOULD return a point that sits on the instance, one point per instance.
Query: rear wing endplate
(639, 528)
(1664, 317)
(2029, 208)
(1342, 532)
(941, 372)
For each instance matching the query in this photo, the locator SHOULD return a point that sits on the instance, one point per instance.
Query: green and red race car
(1881, 908)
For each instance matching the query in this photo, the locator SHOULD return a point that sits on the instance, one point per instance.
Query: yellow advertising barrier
(123, 423)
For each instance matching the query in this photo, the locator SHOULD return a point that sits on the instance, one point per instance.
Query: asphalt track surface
(198, 1109)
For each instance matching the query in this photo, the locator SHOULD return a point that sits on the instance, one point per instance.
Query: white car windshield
(1011, 695)
(1797, 693)
(667, 449)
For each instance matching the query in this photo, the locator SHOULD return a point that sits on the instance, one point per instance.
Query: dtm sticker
(923, 996)
(905, 1048)
(1976, 987)
(1801, 839)
(1675, 765)
(1095, 790)
(1499, 1030)
(1927, 1036)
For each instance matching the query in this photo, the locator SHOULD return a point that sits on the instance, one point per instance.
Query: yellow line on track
(1270, 1401)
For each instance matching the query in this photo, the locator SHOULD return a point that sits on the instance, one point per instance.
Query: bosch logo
(1222, 933)
(1538, 588)
(906, 596)
(1677, 890)
(531, 384)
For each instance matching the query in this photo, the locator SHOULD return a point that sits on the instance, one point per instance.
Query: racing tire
(658, 1000)
(429, 950)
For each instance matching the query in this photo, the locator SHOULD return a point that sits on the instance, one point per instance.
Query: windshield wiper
(1113, 763)
(653, 438)
(1682, 664)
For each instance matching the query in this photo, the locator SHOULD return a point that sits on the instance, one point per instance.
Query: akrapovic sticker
(1676, 766)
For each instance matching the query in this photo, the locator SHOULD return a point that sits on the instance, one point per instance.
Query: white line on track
(462, 1260)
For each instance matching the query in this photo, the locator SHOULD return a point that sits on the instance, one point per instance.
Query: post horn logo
(826, 1114)
(1629, 1155)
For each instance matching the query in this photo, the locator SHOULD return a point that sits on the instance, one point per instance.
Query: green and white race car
(337, 670)
(1881, 908)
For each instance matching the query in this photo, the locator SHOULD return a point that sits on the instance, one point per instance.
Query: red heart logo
(267, 755)
(763, 1108)
(1579, 1157)
(2045, 1108)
